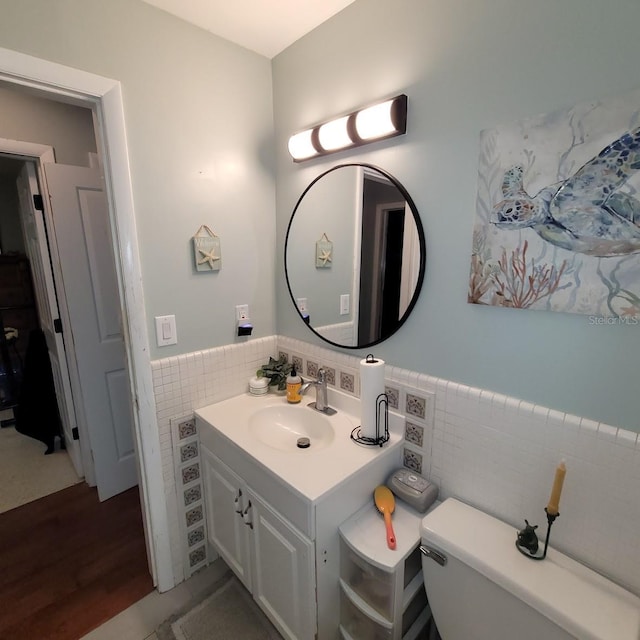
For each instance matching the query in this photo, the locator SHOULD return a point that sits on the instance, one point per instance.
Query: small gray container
(413, 489)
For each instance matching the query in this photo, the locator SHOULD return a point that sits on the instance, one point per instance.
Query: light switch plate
(344, 304)
(166, 333)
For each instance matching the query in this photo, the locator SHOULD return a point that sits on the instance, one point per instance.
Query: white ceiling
(264, 26)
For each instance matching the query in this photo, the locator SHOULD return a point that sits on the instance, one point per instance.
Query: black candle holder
(527, 540)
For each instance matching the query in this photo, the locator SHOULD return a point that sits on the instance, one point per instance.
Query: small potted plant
(277, 372)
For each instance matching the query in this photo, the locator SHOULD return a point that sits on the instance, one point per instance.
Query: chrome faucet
(321, 403)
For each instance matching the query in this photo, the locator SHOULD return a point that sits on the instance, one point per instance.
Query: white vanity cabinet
(274, 560)
(284, 571)
(226, 498)
(273, 513)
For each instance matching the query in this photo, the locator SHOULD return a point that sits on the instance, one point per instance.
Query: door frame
(104, 97)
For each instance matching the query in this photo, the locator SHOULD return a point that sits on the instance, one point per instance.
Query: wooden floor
(68, 563)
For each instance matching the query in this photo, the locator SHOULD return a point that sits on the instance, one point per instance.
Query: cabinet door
(284, 572)
(226, 499)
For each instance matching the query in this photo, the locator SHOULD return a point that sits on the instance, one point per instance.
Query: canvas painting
(557, 223)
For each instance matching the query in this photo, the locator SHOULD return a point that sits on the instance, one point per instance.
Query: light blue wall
(200, 123)
(199, 119)
(467, 65)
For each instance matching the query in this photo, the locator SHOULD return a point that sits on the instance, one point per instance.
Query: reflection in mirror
(368, 279)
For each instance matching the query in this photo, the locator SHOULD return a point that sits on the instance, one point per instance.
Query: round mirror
(354, 255)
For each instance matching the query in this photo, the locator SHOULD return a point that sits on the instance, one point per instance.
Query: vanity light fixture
(376, 122)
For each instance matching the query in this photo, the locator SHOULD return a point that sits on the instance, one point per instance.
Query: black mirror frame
(421, 239)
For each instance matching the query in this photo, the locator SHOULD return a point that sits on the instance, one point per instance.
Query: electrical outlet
(242, 312)
(303, 305)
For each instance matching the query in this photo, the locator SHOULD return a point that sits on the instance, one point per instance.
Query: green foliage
(277, 372)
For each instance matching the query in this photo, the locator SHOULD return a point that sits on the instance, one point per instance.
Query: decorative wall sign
(558, 212)
(324, 252)
(206, 250)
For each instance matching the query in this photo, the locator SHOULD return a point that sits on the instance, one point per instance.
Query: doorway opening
(104, 97)
(63, 221)
(27, 391)
(59, 311)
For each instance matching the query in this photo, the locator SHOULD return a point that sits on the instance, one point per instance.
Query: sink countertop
(311, 473)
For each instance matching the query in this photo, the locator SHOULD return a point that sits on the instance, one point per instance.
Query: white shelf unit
(382, 595)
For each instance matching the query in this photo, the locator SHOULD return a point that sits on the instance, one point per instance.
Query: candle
(554, 499)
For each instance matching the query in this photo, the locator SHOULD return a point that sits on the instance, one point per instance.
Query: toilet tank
(488, 590)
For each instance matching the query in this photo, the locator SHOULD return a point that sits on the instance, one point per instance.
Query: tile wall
(495, 452)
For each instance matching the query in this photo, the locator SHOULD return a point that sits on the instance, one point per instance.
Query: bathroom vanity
(273, 509)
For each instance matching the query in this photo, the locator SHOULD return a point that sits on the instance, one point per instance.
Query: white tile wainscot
(499, 454)
(495, 452)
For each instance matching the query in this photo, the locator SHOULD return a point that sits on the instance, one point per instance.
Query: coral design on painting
(558, 213)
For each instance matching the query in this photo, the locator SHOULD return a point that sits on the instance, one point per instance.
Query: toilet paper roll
(371, 386)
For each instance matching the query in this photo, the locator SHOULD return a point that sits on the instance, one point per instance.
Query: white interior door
(84, 250)
(38, 253)
(410, 261)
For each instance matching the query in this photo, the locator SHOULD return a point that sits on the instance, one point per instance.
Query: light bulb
(333, 135)
(300, 145)
(375, 122)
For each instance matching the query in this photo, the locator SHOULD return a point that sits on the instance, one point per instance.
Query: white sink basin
(254, 434)
(283, 427)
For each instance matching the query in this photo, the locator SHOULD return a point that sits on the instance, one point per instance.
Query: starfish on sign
(325, 256)
(208, 256)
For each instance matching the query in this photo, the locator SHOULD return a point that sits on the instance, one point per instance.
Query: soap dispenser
(294, 382)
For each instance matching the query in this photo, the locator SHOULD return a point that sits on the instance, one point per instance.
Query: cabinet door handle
(237, 500)
(245, 514)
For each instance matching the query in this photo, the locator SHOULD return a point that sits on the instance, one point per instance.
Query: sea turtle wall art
(557, 222)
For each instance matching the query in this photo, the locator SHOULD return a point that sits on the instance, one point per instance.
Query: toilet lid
(580, 601)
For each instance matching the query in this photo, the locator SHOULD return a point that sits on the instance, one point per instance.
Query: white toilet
(480, 587)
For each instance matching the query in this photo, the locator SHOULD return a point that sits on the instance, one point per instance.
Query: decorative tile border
(196, 535)
(347, 382)
(412, 460)
(190, 493)
(197, 558)
(312, 369)
(190, 473)
(331, 376)
(298, 363)
(189, 451)
(393, 396)
(414, 433)
(194, 494)
(194, 516)
(186, 428)
(416, 406)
